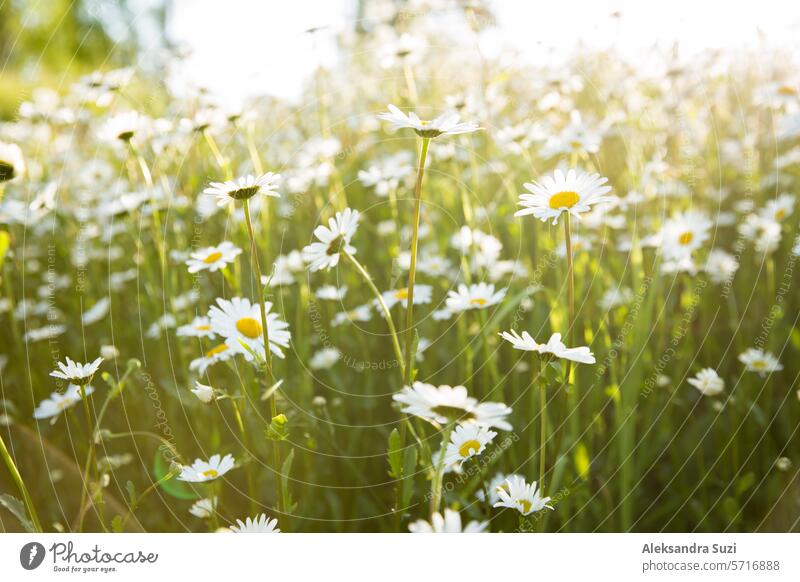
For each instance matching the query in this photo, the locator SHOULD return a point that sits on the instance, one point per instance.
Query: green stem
(88, 466)
(269, 376)
(387, 315)
(412, 271)
(487, 502)
(543, 424)
(222, 162)
(411, 85)
(26, 498)
(438, 475)
(570, 292)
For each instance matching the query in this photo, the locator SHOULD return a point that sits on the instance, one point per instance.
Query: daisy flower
(498, 482)
(450, 523)
(213, 258)
(203, 392)
(778, 208)
(238, 320)
(554, 347)
(445, 404)
(75, 373)
(360, 313)
(202, 471)
(467, 441)
(405, 49)
(199, 327)
(721, 266)
(218, 353)
(756, 360)
(123, 126)
(284, 269)
(422, 295)
(333, 239)
(615, 297)
(244, 187)
(42, 333)
(519, 495)
(12, 164)
(58, 403)
(574, 193)
(96, 312)
(204, 508)
(682, 235)
(260, 524)
(476, 296)
(708, 382)
(331, 292)
(324, 359)
(445, 124)
(109, 352)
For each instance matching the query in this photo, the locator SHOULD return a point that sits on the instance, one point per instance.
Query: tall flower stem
(412, 271)
(91, 465)
(387, 315)
(26, 498)
(542, 422)
(438, 474)
(411, 85)
(268, 373)
(570, 291)
(155, 218)
(221, 160)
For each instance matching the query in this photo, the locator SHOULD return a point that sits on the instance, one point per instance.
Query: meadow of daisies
(442, 292)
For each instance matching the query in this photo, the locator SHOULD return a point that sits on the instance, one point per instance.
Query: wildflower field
(441, 292)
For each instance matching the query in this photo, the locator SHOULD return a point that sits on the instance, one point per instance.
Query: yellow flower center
(401, 294)
(566, 199)
(202, 327)
(470, 447)
(686, 238)
(524, 505)
(216, 350)
(759, 364)
(212, 258)
(479, 301)
(780, 214)
(249, 327)
(210, 474)
(786, 90)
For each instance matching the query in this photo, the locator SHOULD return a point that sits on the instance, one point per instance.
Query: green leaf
(172, 487)
(395, 455)
(553, 373)
(413, 360)
(271, 390)
(278, 429)
(16, 507)
(409, 465)
(116, 523)
(131, 489)
(288, 504)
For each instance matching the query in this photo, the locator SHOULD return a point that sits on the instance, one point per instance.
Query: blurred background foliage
(52, 42)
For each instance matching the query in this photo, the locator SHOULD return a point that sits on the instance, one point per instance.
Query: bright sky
(244, 47)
